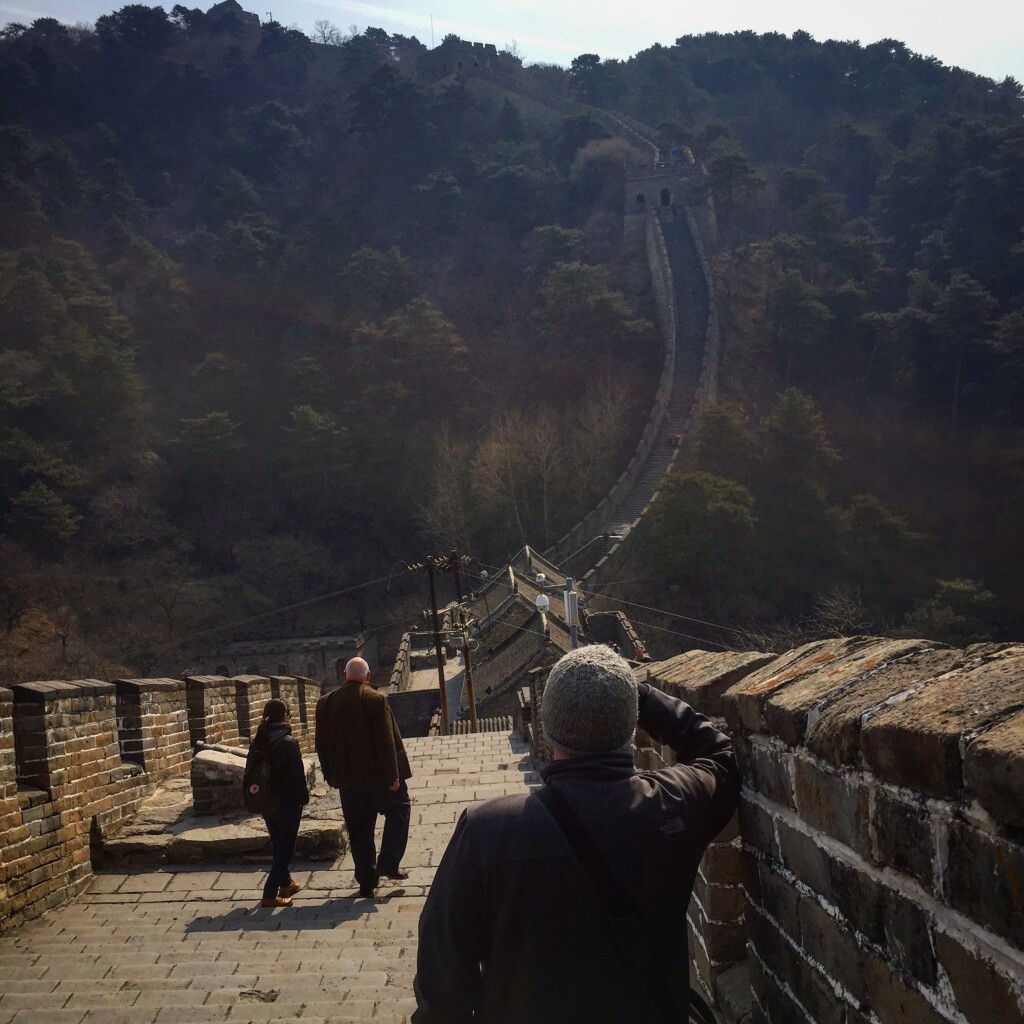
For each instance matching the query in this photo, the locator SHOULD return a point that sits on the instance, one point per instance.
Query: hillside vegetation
(276, 314)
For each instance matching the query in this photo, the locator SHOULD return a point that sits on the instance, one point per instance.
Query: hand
(394, 786)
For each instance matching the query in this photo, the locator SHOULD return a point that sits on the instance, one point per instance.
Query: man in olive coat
(362, 756)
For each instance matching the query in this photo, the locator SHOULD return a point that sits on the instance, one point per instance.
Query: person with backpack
(275, 786)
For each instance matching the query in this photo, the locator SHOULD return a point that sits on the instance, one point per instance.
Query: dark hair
(274, 712)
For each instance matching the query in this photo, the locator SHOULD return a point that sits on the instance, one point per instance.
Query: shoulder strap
(608, 886)
(618, 902)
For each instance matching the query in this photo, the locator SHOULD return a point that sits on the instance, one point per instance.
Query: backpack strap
(620, 905)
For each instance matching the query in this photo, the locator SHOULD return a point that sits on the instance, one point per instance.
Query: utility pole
(428, 567)
(454, 561)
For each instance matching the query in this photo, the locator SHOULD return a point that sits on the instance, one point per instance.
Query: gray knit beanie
(589, 704)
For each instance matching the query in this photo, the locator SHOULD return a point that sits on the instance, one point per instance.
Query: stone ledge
(129, 686)
(917, 742)
(52, 690)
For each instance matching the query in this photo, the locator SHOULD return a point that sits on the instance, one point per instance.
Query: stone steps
(191, 944)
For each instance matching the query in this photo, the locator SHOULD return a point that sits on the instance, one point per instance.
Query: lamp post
(572, 611)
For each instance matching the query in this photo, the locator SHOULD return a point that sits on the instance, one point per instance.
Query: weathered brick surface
(701, 677)
(916, 743)
(903, 835)
(832, 802)
(805, 857)
(835, 735)
(787, 709)
(893, 1001)
(828, 941)
(153, 724)
(770, 770)
(743, 704)
(251, 694)
(212, 710)
(983, 992)
(719, 902)
(985, 880)
(994, 769)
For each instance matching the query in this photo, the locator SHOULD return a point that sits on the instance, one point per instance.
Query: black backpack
(258, 795)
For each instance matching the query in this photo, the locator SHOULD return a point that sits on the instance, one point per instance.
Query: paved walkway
(194, 946)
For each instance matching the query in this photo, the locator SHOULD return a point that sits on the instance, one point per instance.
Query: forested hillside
(257, 294)
(277, 313)
(865, 471)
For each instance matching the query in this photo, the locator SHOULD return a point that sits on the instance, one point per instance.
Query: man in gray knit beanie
(569, 903)
(590, 702)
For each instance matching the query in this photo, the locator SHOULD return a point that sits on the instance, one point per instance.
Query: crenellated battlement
(77, 758)
(877, 859)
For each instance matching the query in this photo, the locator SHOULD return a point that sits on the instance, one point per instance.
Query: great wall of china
(873, 875)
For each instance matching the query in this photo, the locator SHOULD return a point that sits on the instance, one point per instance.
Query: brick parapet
(212, 710)
(153, 724)
(78, 757)
(880, 824)
(251, 694)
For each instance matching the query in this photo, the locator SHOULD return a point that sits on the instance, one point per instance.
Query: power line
(154, 648)
(664, 611)
(674, 632)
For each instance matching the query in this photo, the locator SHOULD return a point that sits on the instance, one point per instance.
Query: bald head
(357, 669)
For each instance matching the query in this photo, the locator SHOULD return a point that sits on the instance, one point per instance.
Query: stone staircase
(192, 944)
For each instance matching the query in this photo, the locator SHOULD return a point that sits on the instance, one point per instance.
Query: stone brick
(983, 993)
(771, 773)
(858, 898)
(829, 941)
(835, 734)
(835, 804)
(994, 770)
(743, 703)
(779, 899)
(903, 836)
(786, 712)
(701, 677)
(778, 1005)
(893, 1000)
(719, 902)
(916, 743)
(757, 827)
(805, 858)
(722, 864)
(985, 880)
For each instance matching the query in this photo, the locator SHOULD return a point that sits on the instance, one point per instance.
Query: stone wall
(77, 758)
(880, 832)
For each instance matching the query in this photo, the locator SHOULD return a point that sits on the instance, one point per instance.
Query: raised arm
(706, 765)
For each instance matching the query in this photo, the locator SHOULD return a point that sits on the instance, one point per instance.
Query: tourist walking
(569, 903)
(362, 756)
(274, 741)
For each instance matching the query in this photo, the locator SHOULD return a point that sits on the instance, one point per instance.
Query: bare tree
(444, 515)
(326, 33)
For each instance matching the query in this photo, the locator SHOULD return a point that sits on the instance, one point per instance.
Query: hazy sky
(986, 36)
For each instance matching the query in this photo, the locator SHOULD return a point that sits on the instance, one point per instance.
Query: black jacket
(287, 772)
(513, 930)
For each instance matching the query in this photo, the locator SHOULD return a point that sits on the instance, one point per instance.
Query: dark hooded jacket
(287, 772)
(513, 929)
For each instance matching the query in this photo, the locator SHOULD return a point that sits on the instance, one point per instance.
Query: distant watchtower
(667, 187)
(458, 57)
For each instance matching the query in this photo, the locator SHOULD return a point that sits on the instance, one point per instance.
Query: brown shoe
(289, 890)
(276, 901)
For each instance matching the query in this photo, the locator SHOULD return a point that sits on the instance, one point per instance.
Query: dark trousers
(284, 831)
(360, 807)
